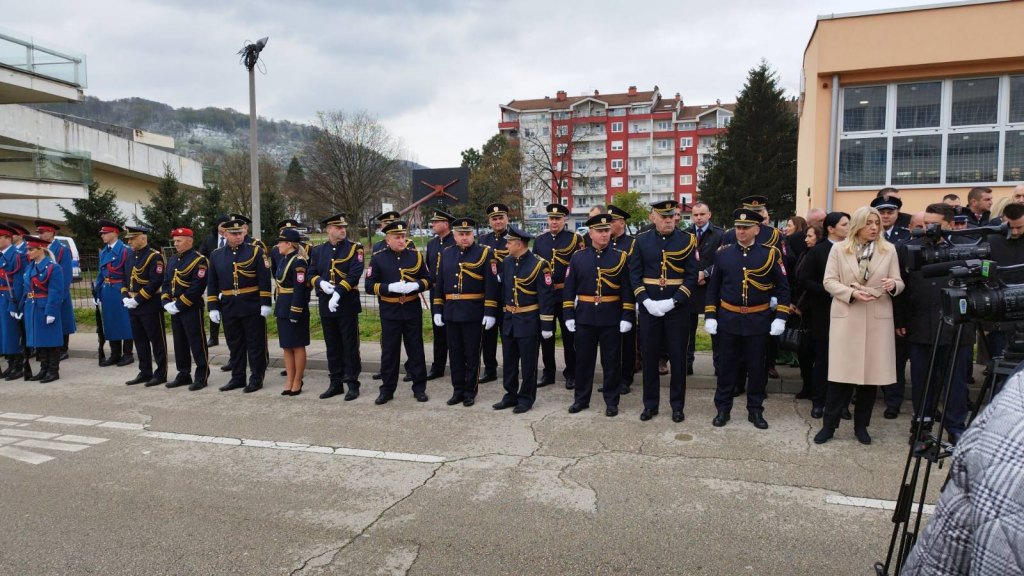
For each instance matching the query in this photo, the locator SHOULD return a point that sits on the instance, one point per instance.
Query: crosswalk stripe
(19, 416)
(47, 445)
(80, 439)
(121, 425)
(8, 440)
(28, 434)
(24, 455)
(72, 421)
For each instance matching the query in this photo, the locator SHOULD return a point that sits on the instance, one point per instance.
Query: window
(685, 180)
(545, 131)
(617, 164)
(862, 162)
(565, 201)
(529, 132)
(864, 108)
(707, 141)
(637, 181)
(617, 112)
(1016, 99)
(916, 159)
(686, 160)
(975, 101)
(972, 157)
(562, 130)
(664, 125)
(1013, 157)
(616, 182)
(563, 184)
(638, 110)
(562, 115)
(616, 126)
(561, 166)
(687, 126)
(561, 148)
(686, 142)
(917, 105)
(616, 145)
(664, 144)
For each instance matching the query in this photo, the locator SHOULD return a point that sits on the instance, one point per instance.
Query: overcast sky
(433, 71)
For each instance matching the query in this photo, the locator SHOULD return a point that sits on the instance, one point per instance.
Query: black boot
(115, 354)
(10, 366)
(63, 354)
(128, 357)
(53, 366)
(43, 354)
(16, 370)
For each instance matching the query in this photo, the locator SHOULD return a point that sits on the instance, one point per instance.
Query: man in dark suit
(215, 239)
(709, 238)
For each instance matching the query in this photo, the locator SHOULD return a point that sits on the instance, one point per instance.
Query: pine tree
(168, 208)
(757, 155)
(272, 211)
(83, 219)
(295, 188)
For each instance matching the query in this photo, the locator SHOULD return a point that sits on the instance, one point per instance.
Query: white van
(76, 268)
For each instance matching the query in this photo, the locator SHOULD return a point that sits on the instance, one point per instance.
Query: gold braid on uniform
(602, 274)
(137, 277)
(335, 273)
(466, 267)
(562, 255)
(520, 284)
(178, 280)
(760, 273)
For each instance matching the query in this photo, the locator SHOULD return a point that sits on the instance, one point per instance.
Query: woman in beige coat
(862, 275)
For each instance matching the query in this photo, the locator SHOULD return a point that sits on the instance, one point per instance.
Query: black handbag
(793, 338)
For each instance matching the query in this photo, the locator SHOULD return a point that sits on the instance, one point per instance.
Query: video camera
(980, 295)
(919, 256)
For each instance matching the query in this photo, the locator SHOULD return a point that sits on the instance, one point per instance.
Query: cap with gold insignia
(890, 203)
(388, 217)
(441, 216)
(44, 226)
(396, 227)
(289, 223)
(289, 235)
(600, 222)
(339, 220)
(241, 217)
(464, 225)
(755, 202)
(665, 208)
(746, 217)
(517, 234)
(497, 209)
(133, 231)
(110, 226)
(617, 213)
(181, 231)
(234, 224)
(556, 210)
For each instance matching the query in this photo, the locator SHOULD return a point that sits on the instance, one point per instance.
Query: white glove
(125, 301)
(16, 315)
(397, 287)
(570, 325)
(215, 316)
(438, 321)
(99, 302)
(778, 326)
(624, 326)
(51, 319)
(131, 304)
(545, 334)
(773, 303)
(172, 308)
(489, 322)
(499, 278)
(327, 287)
(265, 311)
(411, 287)
(711, 326)
(666, 305)
(333, 304)
(653, 308)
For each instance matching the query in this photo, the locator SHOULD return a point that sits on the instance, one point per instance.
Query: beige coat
(862, 338)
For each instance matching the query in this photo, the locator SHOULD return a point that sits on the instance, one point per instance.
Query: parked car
(76, 267)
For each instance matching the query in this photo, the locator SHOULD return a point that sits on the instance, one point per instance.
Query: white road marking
(8, 423)
(72, 421)
(80, 439)
(18, 416)
(47, 445)
(872, 503)
(121, 425)
(7, 440)
(28, 434)
(24, 455)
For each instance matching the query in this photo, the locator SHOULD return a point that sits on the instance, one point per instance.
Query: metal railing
(44, 164)
(25, 54)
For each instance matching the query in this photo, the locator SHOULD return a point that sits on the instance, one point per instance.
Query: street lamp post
(250, 54)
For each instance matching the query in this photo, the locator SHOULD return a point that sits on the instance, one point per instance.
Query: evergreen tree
(295, 189)
(211, 204)
(757, 155)
(83, 219)
(272, 211)
(168, 208)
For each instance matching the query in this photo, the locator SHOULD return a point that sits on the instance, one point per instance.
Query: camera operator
(1007, 251)
(918, 315)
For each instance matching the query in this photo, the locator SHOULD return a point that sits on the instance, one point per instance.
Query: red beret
(181, 232)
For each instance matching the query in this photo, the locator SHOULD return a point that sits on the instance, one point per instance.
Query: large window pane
(864, 108)
(916, 160)
(1013, 163)
(972, 157)
(917, 105)
(862, 162)
(1016, 98)
(975, 101)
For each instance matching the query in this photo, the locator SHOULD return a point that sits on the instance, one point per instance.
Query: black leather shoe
(546, 380)
(382, 399)
(862, 435)
(520, 409)
(352, 394)
(611, 411)
(232, 386)
(225, 368)
(110, 361)
(139, 379)
(757, 420)
(407, 378)
(332, 390)
(421, 396)
(648, 413)
(455, 399)
(198, 385)
(15, 374)
(49, 377)
(376, 376)
(250, 388)
(488, 377)
(212, 342)
(890, 414)
(721, 419)
(817, 412)
(179, 380)
(469, 402)
(286, 393)
(505, 404)
(678, 416)
(577, 407)
(155, 381)
(126, 360)
(823, 435)
(64, 355)
(570, 383)
(435, 374)
(625, 389)
(846, 414)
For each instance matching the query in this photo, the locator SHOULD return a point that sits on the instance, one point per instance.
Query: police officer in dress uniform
(747, 275)
(440, 223)
(238, 293)
(215, 239)
(497, 239)
(598, 308)
(621, 240)
(183, 290)
(45, 291)
(663, 274)
(385, 218)
(335, 269)
(142, 299)
(110, 289)
(292, 307)
(557, 246)
(528, 302)
(229, 367)
(12, 292)
(465, 295)
(397, 275)
(62, 255)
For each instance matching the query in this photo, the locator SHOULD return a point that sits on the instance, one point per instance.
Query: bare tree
(548, 161)
(353, 164)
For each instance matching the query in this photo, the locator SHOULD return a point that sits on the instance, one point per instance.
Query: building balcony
(32, 73)
(41, 173)
(510, 125)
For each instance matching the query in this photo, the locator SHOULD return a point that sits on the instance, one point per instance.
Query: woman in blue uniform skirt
(45, 292)
(292, 308)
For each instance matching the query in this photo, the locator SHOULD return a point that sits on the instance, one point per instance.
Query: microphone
(941, 268)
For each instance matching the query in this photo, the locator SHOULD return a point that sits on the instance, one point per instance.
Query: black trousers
(627, 357)
(691, 345)
(588, 339)
(341, 337)
(440, 349)
(893, 393)
(214, 330)
(819, 376)
(393, 334)
(750, 350)
(247, 340)
(190, 343)
(490, 346)
(805, 355)
(464, 340)
(838, 398)
(547, 347)
(668, 332)
(516, 352)
(148, 332)
(955, 412)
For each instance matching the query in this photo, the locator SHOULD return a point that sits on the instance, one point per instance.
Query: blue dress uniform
(341, 266)
(12, 291)
(275, 256)
(145, 277)
(62, 256)
(435, 246)
(738, 300)
(292, 306)
(528, 303)
(182, 296)
(498, 243)
(663, 268)
(598, 299)
(401, 316)
(385, 218)
(465, 292)
(110, 288)
(45, 292)
(557, 249)
(238, 289)
(624, 242)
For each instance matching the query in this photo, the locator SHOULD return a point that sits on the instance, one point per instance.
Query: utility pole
(250, 57)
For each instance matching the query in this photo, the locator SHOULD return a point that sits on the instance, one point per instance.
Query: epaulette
(723, 247)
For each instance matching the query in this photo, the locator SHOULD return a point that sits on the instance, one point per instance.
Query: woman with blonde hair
(863, 276)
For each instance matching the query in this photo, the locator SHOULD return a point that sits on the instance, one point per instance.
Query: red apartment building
(594, 146)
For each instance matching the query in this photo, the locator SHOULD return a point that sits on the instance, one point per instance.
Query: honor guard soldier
(216, 239)
(20, 233)
(110, 289)
(385, 218)
(45, 291)
(441, 224)
(497, 238)
(397, 275)
(335, 269)
(557, 246)
(275, 254)
(528, 302)
(747, 277)
(621, 240)
(19, 243)
(12, 292)
(62, 255)
(465, 296)
(183, 291)
(663, 275)
(292, 307)
(238, 293)
(142, 299)
(598, 308)
(247, 239)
